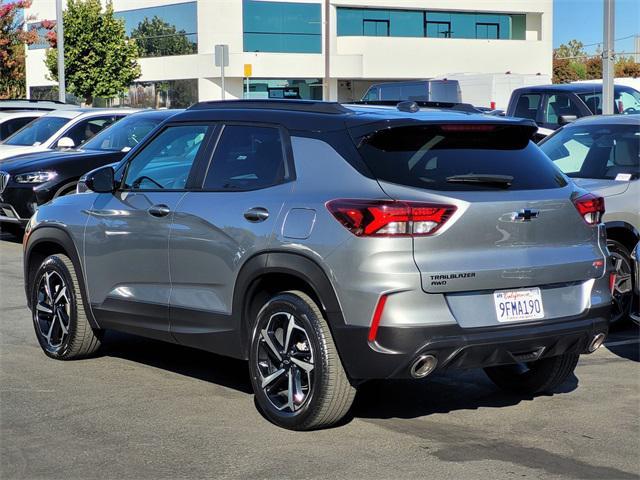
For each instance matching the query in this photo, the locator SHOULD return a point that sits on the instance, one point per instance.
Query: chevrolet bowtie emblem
(525, 215)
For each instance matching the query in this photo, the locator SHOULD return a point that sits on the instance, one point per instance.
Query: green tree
(100, 61)
(13, 41)
(563, 71)
(573, 49)
(156, 38)
(594, 68)
(627, 67)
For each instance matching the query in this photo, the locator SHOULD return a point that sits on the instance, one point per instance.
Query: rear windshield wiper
(500, 181)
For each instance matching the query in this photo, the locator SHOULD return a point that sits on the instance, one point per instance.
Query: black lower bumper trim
(396, 348)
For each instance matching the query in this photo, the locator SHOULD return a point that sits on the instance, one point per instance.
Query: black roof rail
(311, 106)
(403, 105)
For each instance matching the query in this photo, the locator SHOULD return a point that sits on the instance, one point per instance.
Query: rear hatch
(515, 224)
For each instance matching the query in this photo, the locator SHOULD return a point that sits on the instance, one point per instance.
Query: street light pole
(60, 46)
(608, 66)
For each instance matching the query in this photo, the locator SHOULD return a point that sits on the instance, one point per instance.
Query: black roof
(570, 87)
(316, 116)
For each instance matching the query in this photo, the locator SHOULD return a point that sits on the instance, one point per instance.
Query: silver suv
(329, 245)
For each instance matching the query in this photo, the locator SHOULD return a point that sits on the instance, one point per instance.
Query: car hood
(606, 188)
(8, 151)
(43, 160)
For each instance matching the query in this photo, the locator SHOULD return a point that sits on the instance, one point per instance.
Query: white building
(331, 49)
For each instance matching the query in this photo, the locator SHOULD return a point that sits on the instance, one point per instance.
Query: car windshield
(596, 151)
(37, 132)
(626, 101)
(124, 135)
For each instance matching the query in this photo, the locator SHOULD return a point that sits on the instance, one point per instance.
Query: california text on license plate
(517, 305)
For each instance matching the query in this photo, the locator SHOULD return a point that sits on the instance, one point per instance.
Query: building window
(164, 30)
(287, 88)
(282, 27)
(488, 30)
(376, 28)
(432, 24)
(439, 29)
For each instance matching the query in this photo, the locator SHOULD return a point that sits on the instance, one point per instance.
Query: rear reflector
(390, 218)
(612, 282)
(377, 315)
(590, 207)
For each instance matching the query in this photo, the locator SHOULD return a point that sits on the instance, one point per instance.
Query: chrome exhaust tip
(596, 342)
(423, 366)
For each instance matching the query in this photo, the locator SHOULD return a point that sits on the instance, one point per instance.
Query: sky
(582, 20)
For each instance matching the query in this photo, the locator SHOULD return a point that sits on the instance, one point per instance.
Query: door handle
(256, 214)
(160, 210)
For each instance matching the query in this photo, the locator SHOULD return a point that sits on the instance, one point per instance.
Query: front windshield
(37, 132)
(626, 101)
(596, 151)
(124, 135)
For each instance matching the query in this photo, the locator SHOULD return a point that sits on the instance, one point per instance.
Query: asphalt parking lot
(145, 409)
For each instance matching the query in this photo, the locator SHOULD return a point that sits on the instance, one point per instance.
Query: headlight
(35, 177)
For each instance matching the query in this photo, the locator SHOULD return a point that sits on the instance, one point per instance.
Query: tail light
(590, 207)
(390, 218)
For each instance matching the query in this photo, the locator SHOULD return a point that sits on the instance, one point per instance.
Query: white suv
(60, 129)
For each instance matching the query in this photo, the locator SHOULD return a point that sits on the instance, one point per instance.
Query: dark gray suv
(329, 245)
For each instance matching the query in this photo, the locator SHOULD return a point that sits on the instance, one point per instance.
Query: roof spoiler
(413, 106)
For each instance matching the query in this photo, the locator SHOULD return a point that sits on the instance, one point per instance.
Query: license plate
(518, 305)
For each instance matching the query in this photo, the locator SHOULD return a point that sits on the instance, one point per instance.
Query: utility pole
(327, 50)
(60, 46)
(608, 67)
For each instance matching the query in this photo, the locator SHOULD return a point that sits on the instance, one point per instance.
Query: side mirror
(66, 142)
(100, 180)
(564, 119)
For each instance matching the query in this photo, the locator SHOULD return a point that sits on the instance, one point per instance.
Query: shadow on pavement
(624, 341)
(209, 367)
(443, 393)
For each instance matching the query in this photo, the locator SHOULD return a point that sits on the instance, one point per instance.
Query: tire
(57, 306)
(622, 301)
(535, 377)
(312, 390)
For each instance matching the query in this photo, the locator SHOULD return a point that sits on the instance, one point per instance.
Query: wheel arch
(269, 273)
(623, 232)
(49, 240)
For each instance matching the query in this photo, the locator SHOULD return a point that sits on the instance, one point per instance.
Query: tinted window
(38, 131)
(626, 100)
(596, 151)
(427, 157)
(390, 92)
(527, 106)
(247, 158)
(415, 92)
(559, 105)
(166, 161)
(372, 94)
(123, 136)
(87, 129)
(11, 126)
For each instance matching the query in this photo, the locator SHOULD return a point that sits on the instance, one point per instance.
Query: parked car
(329, 245)
(60, 129)
(635, 307)
(552, 106)
(602, 155)
(19, 104)
(416, 90)
(11, 122)
(27, 181)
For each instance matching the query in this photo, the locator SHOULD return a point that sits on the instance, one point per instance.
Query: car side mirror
(66, 142)
(101, 180)
(564, 119)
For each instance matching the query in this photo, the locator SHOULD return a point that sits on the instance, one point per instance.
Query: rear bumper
(396, 348)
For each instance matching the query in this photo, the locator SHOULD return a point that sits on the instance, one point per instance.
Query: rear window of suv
(434, 157)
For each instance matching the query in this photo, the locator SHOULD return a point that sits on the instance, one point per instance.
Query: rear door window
(435, 157)
(247, 157)
(527, 106)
